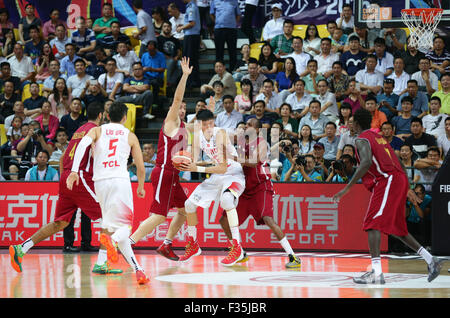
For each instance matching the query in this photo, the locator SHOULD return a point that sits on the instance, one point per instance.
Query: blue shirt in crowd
(192, 14)
(157, 61)
(225, 12)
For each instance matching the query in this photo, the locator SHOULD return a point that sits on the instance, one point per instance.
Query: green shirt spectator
(102, 26)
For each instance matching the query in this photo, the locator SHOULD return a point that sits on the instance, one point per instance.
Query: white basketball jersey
(111, 153)
(210, 149)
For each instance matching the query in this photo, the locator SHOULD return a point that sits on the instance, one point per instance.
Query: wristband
(201, 169)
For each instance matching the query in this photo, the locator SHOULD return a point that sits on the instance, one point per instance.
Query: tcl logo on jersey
(110, 164)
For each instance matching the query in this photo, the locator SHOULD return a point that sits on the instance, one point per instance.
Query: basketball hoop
(422, 22)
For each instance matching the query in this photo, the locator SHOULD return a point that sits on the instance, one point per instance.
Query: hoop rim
(418, 11)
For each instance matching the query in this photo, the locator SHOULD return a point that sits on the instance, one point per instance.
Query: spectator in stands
(35, 101)
(68, 61)
(331, 26)
(366, 39)
(385, 60)
(111, 41)
(419, 140)
(378, 117)
(97, 66)
(355, 97)
(27, 21)
(14, 163)
(18, 112)
(282, 43)
(326, 58)
(347, 138)
(58, 43)
(199, 105)
(206, 23)
(259, 110)
(84, 39)
(407, 158)
(8, 44)
(370, 79)
(418, 216)
(60, 98)
(225, 15)
(146, 31)
(346, 21)
(150, 151)
(154, 63)
(395, 39)
(43, 63)
(400, 77)
(338, 82)
(267, 62)
(242, 65)
(387, 99)
(50, 26)
(42, 171)
(13, 133)
(434, 122)
(289, 124)
(103, 25)
(177, 20)
(80, 81)
(7, 100)
(312, 78)
(112, 81)
(125, 59)
(338, 41)
(21, 65)
(444, 94)
(229, 118)
(270, 97)
(171, 48)
(312, 41)
(94, 94)
(439, 56)
(318, 152)
(256, 78)
(303, 173)
(247, 25)
(74, 120)
(217, 98)
(33, 48)
(420, 99)
(301, 58)
(299, 100)
(60, 145)
(353, 59)
(244, 101)
(330, 142)
(402, 122)
(337, 172)
(273, 27)
(137, 90)
(411, 56)
(223, 76)
(6, 75)
(49, 124)
(443, 140)
(286, 78)
(5, 24)
(159, 15)
(343, 123)
(387, 131)
(426, 79)
(315, 120)
(328, 101)
(428, 167)
(305, 140)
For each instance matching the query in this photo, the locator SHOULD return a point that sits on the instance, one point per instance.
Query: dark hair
(252, 60)
(288, 105)
(268, 80)
(297, 38)
(387, 123)
(137, 4)
(260, 101)
(310, 137)
(371, 97)
(416, 120)
(227, 97)
(363, 117)
(315, 101)
(79, 61)
(407, 99)
(337, 63)
(205, 114)
(412, 81)
(315, 35)
(325, 39)
(65, 92)
(331, 123)
(94, 109)
(246, 81)
(445, 74)
(43, 151)
(293, 76)
(433, 148)
(353, 38)
(117, 111)
(33, 27)
(344, 105)
(288, 21)
(218, 83)
(312, 61)
(380, 41)
(371, 56)
(270, 59)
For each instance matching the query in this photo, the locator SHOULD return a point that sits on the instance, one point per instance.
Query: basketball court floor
(48, 273)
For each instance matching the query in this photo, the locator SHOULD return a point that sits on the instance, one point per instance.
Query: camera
(286, 147)
(300, 160)
(338, 165)
(38, 132)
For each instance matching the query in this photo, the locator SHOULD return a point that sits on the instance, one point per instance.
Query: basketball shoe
(294, 262)
(141, 277)
(166, 251)
(369, 278)
(111, 248)
(105, 269)
(244, 259)
(192, 249)
(235, 255)
(15, 251)
(434, 269)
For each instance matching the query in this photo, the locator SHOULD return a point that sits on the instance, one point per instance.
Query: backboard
(387, 13)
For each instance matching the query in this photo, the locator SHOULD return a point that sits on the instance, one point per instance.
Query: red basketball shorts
(258, 205)
(386, 212)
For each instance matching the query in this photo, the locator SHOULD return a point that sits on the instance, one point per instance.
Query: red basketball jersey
(256, 178)
(384, 159)
(86, 162)
(168, 146)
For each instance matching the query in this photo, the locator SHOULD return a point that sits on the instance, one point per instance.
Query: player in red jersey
(383, 174)
(82, 197)
(167, 191)
(257, 199)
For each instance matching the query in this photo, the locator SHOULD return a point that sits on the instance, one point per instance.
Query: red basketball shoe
(192, 249)
(141, 278)
(166, 251)
(235, 255)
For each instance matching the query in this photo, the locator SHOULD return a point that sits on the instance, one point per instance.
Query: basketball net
(422, 23)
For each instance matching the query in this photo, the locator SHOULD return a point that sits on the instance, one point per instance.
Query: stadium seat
(136, 44)
(238, 88)
(323, 32)
(255, 49)
(16, 34)
(300, 30)
(26, 91)
(163, 89)
(131, 116)
(3, 137)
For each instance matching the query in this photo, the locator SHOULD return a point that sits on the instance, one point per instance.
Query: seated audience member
(418, 216)
(303, 173)
(49, 29)
(434, 122)
(54, 74)
(267, 62)
(229, 85)
(312, 78)
(7, 100)
(49, 124)
(154, 63)
(443, 94)
(60, 98)
(259, 109)
(58, 43)
(33, 48)
(79, 82)
(94, 94)
(370, 79)
(149, 163)
(290, 125)
(402, 122)
(68, 61)
(378, 117)
(254, 76)
(314, 119)
(330, 142)
(427, 80)
(60, 145)
(27, 21)
(318, 152)
(74, 120)
(311, 41)
(241, 68)
(274, 26)
(199, 105)
(395, 39)
(328, 101)
(125, 59)
(387, 99)
(103, 26)
(326, 58)
(419, 140)
(299, 100)
(407, 158)
(171, 48)
(300, 57)
(21, 65)
(338, 40)
(42, 171)
(399, 76)
(111, 81)
(19, 111)
(343, 123)
(420, 99)
(353, 59)
(14, 132)
(346, 21)
(428, 167)
(35, 101)
(270, 96)
(305, 140)
(443, 140)
(411, 56)
(177, 19)
(366, 39)
(244, 101)
(111, 41)
(337, 172)
(84, 39)
(387, 131)
(338, 82)
(347, 138)
(5, 75)
(97, 65)
(355, 98)
(286, 78)
(14, 163)
(217, 98)
(385, 60)
(439, 56)
(229, 118)
(282, 43)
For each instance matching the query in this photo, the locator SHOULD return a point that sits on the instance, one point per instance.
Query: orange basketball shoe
(235, 255)
(192, 249)
(111, 248)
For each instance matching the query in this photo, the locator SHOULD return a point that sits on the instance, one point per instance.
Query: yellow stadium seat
(16, 34)
(3, 137)
(299, 30)
(26, 91)
(255, 49)
(163, 89)
(439, 86)
(131, 116)
(238, 88)
(323, 32)
(129, 32)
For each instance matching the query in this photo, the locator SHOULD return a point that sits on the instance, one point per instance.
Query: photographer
(342, 170)
(303, 170)
(42, 171)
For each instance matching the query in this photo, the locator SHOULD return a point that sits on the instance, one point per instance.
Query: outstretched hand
(185, 66)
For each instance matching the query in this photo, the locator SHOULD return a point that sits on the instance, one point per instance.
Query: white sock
(235, 233)
(121, 234)
(192, 231)
(376, 265)
(167, 241)
(127, 252)
(287, 246)
(425, 254)
(27, 245)
(102, 257)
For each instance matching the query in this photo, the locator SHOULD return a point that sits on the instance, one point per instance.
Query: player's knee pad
(189, 206)
(227, 201)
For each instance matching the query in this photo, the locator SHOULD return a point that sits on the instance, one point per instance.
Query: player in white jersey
(226, 184)
(112, 144)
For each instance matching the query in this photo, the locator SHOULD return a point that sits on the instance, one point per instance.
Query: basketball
(181, 157)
